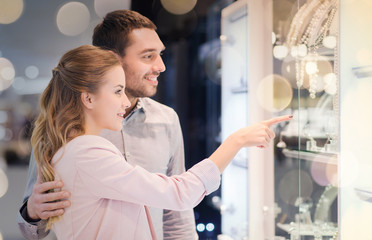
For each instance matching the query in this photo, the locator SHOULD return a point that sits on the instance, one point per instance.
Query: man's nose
(159, 65)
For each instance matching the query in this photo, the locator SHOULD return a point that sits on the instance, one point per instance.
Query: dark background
(191, 83)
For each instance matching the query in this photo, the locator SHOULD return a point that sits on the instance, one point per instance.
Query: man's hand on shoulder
(43, 204)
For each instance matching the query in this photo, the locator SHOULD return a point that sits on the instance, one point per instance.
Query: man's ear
(87, 100)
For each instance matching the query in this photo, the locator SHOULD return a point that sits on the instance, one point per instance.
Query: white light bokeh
(274, 93)
(200, 227)
(32, 72)
(330, 83)
(280, 51)
(10, 10)
(178, 7)
(209, 227)
(311, 67)
(7, 73)
(330, 42)
(300, 50)
(73, 18)
(4, 183)
(102, 7)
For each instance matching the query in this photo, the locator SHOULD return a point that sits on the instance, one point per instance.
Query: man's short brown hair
(113, 32)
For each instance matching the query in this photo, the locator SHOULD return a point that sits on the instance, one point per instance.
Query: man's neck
(133, 103)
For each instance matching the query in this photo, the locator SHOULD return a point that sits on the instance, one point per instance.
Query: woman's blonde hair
(61, 115)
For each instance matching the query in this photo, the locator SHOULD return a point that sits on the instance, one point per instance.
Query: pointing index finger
(277, 120)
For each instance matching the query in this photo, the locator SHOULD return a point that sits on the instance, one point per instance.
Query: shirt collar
(141, 104)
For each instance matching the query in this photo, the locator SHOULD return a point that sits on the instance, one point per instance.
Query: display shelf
(364, 194)
(363, 72)
(239, 90)
(308, 229)
(323, 157)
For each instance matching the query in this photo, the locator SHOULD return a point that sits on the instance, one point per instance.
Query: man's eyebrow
(147, 50)
(119, 85)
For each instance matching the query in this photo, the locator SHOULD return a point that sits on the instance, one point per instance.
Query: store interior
(229, 64)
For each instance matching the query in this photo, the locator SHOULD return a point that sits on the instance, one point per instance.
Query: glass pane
(305, 54)
(234, 115)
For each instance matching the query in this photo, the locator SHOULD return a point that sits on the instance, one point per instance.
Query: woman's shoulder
(85, 142)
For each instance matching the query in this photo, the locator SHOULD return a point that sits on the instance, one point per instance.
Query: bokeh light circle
(332, 172)
(274, 93)
(102, 7)
(280, 51)
(330, 83)
(330, 42)
(324, 173)
(200, 227)
(4, 183)
(10, 10)
(178, 7)
(209, 227)
(32, 72)
(7, 73)
(292, 183)
(73, 18)
(318, 172)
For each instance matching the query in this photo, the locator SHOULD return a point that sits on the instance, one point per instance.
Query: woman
(108, 195)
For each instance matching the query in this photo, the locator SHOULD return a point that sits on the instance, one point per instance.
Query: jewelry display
(310, 30)
(311, 144)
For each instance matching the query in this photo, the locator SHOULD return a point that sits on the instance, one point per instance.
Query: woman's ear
(87, 100)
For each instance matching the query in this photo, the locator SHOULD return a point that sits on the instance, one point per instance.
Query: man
(151, 135)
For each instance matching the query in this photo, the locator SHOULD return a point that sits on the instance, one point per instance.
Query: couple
(110, 196)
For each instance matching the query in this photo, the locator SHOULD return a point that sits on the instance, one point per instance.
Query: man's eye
(118, 92)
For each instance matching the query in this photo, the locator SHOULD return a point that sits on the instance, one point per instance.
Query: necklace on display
(317, 29)
(300, 21)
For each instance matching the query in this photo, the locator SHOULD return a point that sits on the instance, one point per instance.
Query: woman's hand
(258, 134)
